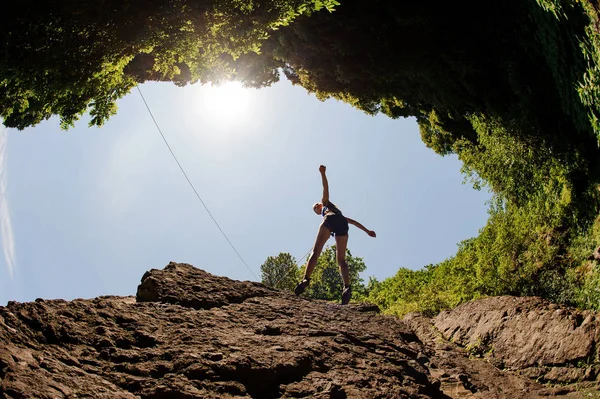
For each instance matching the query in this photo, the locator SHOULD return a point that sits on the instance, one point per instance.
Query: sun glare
(226, 105)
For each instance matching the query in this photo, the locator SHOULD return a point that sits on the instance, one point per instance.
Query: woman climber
(335, 224)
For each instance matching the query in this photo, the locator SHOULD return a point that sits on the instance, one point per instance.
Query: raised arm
(325, 199)
(360, 226)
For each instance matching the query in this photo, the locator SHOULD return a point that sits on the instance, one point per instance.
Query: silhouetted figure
(334, 224)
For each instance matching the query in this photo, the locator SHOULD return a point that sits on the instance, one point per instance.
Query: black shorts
(337, 224)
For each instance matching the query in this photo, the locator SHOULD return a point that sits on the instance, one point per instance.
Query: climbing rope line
(190, 182)
(181, 167)
(305, 255)
(291, 269)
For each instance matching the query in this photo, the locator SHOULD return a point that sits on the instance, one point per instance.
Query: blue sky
(86, 212)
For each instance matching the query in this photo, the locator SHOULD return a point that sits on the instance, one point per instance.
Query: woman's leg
(341, 243)
(322, 237)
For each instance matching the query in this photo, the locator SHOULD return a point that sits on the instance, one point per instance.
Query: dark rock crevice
(262, 381)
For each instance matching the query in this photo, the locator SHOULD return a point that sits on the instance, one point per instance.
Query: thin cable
(190, 182)
(305, 255)
(288, 272)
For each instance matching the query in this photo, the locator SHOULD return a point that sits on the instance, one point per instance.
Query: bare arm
(325, 199)
(360, 226)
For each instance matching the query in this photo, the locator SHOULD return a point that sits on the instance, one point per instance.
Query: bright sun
(226, 105)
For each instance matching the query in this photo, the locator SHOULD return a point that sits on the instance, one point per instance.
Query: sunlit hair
(315, 206)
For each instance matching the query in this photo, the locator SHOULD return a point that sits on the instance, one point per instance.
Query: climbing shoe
(301, 286)
(346, 295)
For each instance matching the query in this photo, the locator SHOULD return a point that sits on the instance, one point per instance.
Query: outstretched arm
(325, 199)
(360, 226)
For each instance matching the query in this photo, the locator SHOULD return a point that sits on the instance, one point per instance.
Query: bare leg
(322, 237)
(341, 242)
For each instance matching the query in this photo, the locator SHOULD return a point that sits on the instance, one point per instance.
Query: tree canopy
(65, 58)
(283, 273)
(511, 87)
(280, 272)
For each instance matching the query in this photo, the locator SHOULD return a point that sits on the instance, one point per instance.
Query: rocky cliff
(188, 334)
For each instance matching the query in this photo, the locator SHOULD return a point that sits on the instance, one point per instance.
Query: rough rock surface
(193, 335)
(527, 334)
(507, 347)
(188, 334)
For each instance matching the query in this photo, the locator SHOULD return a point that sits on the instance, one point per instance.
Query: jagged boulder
(544, 341)
(469, 347)
(185, 285)
(193, 335)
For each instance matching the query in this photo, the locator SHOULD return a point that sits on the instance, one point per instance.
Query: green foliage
(558, 7)
(304, 9)
(583, 270)
(502, 96)
(587, 295)
(521, 251)
(588, 89)
(402, 293)
(520, 168)
(62, 58)
(435, 135)
(280, 272)
(361, 293)
(479, 348)
(538, 236)
(430, 290)
(511, 88)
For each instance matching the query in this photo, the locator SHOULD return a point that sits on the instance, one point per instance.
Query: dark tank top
(330, 209)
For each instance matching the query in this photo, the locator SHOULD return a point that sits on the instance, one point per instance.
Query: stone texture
(190, 287)
(516, 333)
(463, 375)
(505, 347)
(188, 334)
(193, 335)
